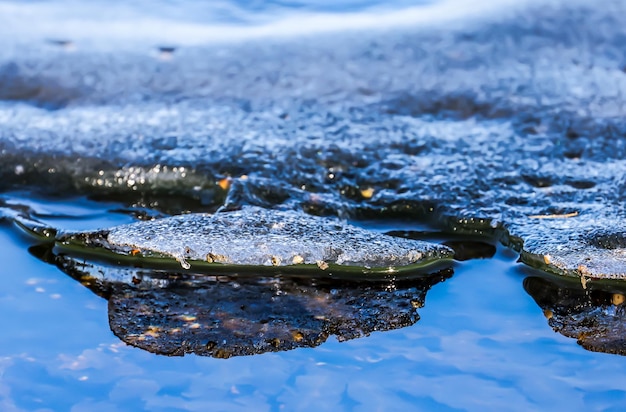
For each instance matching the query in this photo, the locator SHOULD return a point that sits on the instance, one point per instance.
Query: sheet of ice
(509, 124)
(261, 237)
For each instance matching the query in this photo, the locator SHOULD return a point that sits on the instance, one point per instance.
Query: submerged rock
(253, 237)
(176, 313)
(510, 125)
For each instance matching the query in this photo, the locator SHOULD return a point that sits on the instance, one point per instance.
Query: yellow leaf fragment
(367, 193)
(224, 183)
(563, 216)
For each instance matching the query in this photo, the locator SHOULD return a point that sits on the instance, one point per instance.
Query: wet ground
(496, 130)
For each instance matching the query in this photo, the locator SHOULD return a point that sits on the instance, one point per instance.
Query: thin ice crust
(255, 236)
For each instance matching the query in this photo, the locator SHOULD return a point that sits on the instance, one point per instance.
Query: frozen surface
(510, 124)
(261, 237)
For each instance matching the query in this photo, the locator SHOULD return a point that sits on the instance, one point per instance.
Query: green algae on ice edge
(254, 237)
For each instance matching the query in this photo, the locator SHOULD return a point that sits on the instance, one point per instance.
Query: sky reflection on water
(481, 344)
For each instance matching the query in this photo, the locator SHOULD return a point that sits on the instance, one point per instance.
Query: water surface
(481, 344)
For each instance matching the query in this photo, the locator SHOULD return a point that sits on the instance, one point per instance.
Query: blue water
(481, 344)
